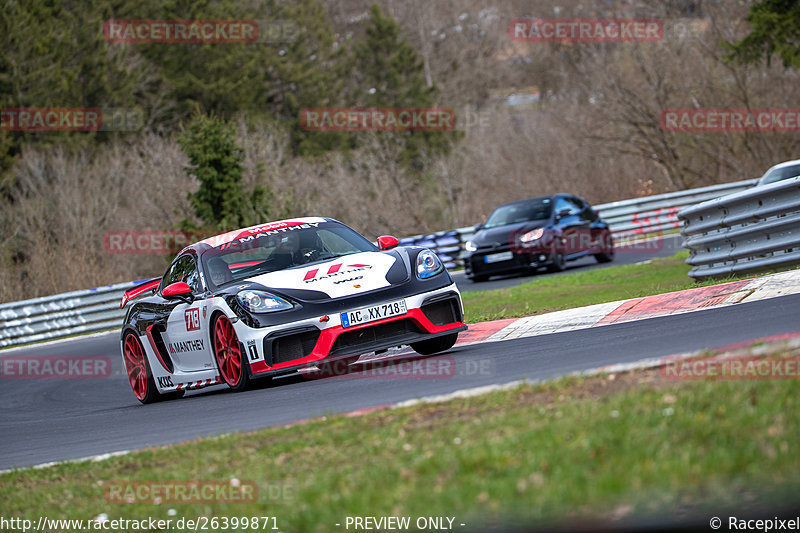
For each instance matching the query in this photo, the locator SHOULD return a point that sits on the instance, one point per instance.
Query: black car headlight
(428, 264)
(527, 239)
(261, 301)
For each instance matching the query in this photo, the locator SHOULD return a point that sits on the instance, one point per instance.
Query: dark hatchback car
(538, 232)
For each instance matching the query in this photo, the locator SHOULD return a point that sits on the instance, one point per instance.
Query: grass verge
(554, 293)
(609, 446)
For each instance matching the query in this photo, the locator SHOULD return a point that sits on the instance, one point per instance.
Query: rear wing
(138, 290)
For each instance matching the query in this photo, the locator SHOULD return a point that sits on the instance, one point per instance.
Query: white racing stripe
(769, 286)
(773, 286)
(566, 320)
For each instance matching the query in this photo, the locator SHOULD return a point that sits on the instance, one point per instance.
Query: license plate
(496, 258)
(375, 312)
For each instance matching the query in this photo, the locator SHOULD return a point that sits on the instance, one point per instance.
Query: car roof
(781, 165)
(230, 236)
(551, 196)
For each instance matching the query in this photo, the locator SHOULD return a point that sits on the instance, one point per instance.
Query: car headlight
(469, 246)
(261, 301)
(533, 235)
(428, 265)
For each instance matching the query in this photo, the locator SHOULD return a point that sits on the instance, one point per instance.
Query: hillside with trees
(221, 145)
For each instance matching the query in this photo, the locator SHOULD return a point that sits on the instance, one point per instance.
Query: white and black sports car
(276, 297)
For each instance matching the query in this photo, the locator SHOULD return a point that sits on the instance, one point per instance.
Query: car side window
(585, 209)
(566, 203)
(185, 270)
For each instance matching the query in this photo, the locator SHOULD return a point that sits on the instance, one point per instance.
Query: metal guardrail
(748, 231)
(448, 245)
(62, 315)
(657, 214)
(92, 310)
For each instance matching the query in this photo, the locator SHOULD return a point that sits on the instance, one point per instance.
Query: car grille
(478, 266)
(364, 338)
(289, 347)
(443, 311)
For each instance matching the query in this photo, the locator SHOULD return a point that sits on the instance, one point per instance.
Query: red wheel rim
(135, 365)
(227, 352)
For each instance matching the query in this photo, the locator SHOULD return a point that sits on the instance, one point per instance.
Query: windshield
(536, 209)
(281, 250)
(780, 174)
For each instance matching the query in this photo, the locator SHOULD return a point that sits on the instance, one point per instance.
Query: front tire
(436, 345)
(228, 354)
(558, 262)
(605, 257)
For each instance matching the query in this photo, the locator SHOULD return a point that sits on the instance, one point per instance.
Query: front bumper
(475, 264)
(286, 347)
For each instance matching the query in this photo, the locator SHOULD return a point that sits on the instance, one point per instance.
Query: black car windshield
(536, 209)
(780, 174)
(280, 250)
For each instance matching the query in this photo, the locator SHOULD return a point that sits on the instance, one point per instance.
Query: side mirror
(178, 291)
(387, 242)
(563, 213)
(478, 227)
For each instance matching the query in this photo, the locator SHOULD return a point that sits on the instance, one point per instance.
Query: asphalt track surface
(625, 255)
(47, 420)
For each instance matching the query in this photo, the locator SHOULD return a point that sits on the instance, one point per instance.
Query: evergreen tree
(388, 72)
(215, 160)
(387, 63)
(54, 55)
(775, 31)
(293, 65)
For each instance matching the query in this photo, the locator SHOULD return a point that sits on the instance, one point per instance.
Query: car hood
(501, 235)
(337, 278)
